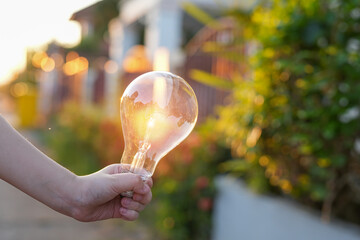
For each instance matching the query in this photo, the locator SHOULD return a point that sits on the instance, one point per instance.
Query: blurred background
(276, 150)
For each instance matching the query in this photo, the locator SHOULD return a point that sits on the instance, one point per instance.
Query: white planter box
(240, 214)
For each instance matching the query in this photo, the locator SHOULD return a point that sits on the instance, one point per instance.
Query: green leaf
(318, 192)
(199, 14)
(235, 166)
(211, 80)
(339, 161)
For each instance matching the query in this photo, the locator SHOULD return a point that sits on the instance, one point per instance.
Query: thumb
(127, 182)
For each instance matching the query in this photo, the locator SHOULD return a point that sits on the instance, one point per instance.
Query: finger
(110, 169)
(128, 203)
(142, 189)
(128, 214)
(116, 168)
(143, 198)
(128, 182)
(149, 182)
(114, 207)
(124, 167)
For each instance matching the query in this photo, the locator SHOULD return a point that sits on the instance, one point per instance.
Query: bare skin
(86, 198)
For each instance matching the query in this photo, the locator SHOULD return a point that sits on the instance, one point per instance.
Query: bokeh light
(19, 89)
(111, 66)
(47, 64)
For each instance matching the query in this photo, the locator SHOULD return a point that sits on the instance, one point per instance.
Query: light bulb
(158, 110)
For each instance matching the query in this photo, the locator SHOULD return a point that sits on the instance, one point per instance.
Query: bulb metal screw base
(128, 194)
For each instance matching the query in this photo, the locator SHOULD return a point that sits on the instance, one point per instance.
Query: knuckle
(150, 182)
(138, 180)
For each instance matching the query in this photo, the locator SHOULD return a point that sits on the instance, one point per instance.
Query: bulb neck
(139, 159)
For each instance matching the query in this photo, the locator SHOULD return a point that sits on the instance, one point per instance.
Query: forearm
(25, 167)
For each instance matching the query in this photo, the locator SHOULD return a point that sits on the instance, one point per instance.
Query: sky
(31, 24)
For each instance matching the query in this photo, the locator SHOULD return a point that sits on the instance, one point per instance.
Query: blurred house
(95, 48)
(223, 67)
(78, 74)
(158, 24)
(98, 69)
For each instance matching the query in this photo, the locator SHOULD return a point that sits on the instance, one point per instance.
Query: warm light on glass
(158, 111)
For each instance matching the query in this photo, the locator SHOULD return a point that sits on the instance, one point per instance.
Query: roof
(85, 13)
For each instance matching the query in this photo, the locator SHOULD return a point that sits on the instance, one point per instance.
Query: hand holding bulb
(86, 198)
(158, 111)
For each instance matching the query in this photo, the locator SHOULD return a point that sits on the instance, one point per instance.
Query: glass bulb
(158, 110)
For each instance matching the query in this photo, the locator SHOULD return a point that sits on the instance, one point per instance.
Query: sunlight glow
(32, 24)
(161, 59)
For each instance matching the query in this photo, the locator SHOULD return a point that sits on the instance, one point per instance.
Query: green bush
(294, 118)
(84, 141)
(184, 187)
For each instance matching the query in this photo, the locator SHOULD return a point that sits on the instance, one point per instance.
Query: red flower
(202, 182)
(205, 204)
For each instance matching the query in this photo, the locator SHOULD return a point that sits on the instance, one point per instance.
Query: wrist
(69, 195)
(78, 204)
(74, 199)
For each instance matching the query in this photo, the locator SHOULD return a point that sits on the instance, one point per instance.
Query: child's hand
(99, 195)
